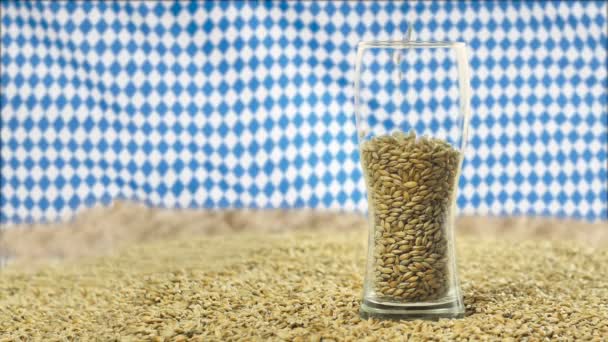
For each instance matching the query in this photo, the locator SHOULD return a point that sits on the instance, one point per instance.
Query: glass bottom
(452, 308)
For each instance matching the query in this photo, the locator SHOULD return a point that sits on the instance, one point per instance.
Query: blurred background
(250, 104)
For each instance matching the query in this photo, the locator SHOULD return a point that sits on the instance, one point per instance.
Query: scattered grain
(522, 279)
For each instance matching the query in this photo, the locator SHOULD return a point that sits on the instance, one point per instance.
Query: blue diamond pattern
(249, 104)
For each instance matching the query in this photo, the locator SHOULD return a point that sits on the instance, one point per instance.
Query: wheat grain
(411, 183)
(303, 284)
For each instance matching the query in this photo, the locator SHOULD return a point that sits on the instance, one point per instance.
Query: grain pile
(410, 185)
(301, 283)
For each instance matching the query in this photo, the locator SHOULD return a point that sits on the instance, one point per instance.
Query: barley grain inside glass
(412, 108)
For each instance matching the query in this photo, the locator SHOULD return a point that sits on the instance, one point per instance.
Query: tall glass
(412, 102)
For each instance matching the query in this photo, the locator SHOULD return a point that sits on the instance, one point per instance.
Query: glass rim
(406, 44)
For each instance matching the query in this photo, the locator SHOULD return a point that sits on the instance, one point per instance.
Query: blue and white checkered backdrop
(249, 104)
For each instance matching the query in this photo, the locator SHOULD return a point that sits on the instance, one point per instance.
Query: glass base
(397, 311)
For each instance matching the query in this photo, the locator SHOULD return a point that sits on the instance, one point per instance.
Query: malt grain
(411, 185)
(522, 279)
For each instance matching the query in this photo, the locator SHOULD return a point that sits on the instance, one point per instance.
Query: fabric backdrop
(249, 104)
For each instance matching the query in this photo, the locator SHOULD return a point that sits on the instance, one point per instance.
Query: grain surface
(301, 283)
